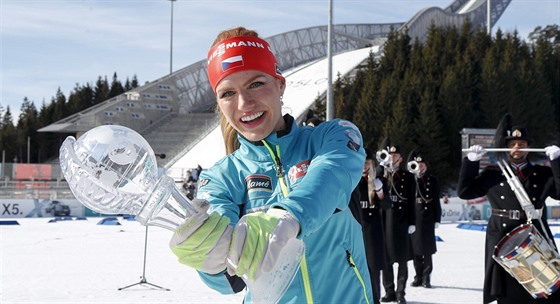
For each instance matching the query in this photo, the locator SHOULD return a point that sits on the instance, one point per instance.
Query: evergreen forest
(421, 95)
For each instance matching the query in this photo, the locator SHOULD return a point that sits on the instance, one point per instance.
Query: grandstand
(175, 113)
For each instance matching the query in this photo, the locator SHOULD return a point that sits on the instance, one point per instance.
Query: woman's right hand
(203, 241)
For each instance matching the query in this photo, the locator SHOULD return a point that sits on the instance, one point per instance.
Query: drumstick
(508, 150)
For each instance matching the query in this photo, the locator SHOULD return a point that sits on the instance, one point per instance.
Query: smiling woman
(279, 185)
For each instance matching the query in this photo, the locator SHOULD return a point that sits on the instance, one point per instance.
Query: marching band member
(370, 198)
(538, 181)
(398, 223)
(428, 217)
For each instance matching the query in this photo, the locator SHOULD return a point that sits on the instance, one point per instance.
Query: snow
(79, 261)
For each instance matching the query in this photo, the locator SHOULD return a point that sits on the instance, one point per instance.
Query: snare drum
(527, 256)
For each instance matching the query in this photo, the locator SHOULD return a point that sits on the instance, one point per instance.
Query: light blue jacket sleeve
(337, 161)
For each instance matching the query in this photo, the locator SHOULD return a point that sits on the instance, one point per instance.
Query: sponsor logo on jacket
(259, 188)
(258, 182)
(203, 182)
(298, 171)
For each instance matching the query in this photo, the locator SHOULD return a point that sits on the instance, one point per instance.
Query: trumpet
(413, 167)
(384, 158)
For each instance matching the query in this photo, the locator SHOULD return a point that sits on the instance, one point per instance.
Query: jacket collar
(283, 138)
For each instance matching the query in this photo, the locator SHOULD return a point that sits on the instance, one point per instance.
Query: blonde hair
(229, 133)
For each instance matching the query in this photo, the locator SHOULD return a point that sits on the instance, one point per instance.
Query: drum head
(514, 239)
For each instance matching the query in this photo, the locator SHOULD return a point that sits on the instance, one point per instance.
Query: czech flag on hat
(232, 62)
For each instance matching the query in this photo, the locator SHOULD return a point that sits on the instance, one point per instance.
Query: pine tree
(365, 116)
(429, 136)
(27, 129)
(320, 108)
(534, 100)
(546, 56)
(101, 90)
(116, 87)
(60, 108)
(8, 137)
(492, 89)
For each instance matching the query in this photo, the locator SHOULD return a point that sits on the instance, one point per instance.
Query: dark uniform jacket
(428, 212)
(539, 182)
(372, 225)
(396, 219)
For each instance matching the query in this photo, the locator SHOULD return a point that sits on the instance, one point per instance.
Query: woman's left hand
(257, 241)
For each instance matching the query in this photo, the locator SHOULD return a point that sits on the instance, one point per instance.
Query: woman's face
(250, 101)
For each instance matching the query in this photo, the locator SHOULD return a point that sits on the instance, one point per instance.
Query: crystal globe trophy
(112, 169)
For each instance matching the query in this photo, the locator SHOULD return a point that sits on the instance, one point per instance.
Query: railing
(46, 189)
(29, 189)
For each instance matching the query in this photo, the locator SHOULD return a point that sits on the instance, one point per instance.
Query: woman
(278, 182)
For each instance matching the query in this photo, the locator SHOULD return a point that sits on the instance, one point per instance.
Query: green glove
(257, 241)
(203, 241)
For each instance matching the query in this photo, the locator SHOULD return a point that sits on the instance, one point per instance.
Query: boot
(401, 299)
(417, 282)
(389, 297)
(426, 283)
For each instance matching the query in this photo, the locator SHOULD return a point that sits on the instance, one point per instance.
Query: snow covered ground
(79, 261)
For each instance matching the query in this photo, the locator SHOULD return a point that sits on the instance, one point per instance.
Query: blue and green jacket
(320, 166)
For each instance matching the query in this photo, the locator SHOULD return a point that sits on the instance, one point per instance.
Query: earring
(281, 101)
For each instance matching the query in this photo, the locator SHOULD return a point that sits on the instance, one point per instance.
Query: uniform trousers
(423, 267)
(375, 275)
(389, 278)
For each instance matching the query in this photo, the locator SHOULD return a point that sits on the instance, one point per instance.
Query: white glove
(257, 241)
(203, 241)
(476, 152)
(553, 152)
(378, 185)
(437, 225)
(411, 229)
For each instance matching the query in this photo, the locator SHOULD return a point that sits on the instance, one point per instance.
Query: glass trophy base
(271, 286)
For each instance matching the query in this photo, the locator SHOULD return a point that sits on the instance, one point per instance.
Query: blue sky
(51, 44)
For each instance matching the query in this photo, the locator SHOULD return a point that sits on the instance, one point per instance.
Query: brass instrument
(413, 167)
(384, 158)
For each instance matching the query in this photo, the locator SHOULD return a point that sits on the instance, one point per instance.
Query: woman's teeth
(251, 117)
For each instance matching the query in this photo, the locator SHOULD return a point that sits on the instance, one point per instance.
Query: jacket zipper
(285, 192)
(352, 264)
